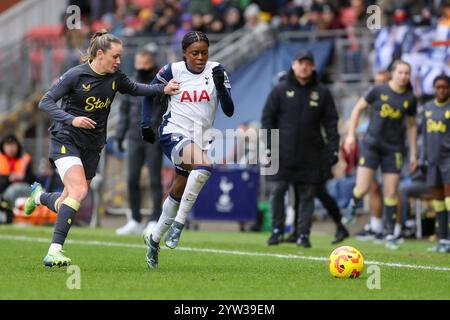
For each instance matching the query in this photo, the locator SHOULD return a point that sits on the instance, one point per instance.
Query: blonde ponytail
(101, 40)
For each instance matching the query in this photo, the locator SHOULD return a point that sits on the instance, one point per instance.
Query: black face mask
(144, 74)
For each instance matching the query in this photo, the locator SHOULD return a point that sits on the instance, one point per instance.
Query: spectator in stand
(293, 18)
(101, 7)
(202, 7)
(251, 16)
(186, 26)
(329, 19)
(207, 19)
(216, 25)
(426, 17)
(232, 19)
(314, 17)
(355, 15)
(445, 14)
(15, 173)
(402, 16)
(166, 22)
(197, 23)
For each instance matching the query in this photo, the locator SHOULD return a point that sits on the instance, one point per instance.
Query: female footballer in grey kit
(78, 132)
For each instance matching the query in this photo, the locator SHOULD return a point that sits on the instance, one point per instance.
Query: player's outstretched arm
(141, 89)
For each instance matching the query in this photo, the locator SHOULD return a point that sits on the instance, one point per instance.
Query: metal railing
(17, 20)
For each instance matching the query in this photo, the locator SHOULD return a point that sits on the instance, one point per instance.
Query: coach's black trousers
(329, 203)
(304, 194)
(141, 153)
(277, 191)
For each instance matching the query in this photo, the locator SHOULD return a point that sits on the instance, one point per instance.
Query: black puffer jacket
(300, 113)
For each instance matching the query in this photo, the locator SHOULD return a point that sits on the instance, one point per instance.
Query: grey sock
(442, 221)
(49, 200)
(390, 213)
(64, 221)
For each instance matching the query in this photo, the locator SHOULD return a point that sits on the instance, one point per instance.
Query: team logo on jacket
(428, 113)
(314, 95)
(406, 104)
(206, 80)
(290, 94)
(384, 97)
(86, 87)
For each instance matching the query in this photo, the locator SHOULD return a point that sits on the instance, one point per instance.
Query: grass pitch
(210, 265)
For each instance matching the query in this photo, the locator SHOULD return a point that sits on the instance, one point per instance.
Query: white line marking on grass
(242, 253)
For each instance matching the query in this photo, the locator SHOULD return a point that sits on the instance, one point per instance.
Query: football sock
(54, 247)
(376, 224)
(447, 206)
(441, 218)
(390, 211)
(355, 200)
(397, 230)
(50, 200)
(67, 211)
(169, 211)
(195, 182)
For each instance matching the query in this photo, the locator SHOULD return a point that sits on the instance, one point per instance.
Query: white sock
(376, 224)
(196, 180)
(397, 230)
(54, 247)
(37, 199)
(169, 211)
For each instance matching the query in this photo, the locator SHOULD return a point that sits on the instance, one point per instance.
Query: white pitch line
(233, 252)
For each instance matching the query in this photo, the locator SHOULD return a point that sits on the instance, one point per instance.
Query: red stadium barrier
(45, 37)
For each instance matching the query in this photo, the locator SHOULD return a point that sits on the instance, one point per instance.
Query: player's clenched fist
(173, 87)
(218, 74)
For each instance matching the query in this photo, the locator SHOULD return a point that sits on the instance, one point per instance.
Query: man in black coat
(300, 108)
(139, 152)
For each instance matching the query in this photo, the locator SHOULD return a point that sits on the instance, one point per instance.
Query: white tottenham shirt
(191, 112)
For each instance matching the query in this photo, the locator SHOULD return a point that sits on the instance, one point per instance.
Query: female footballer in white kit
(189, 115)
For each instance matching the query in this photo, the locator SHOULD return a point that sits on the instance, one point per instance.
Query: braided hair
(191, 37)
